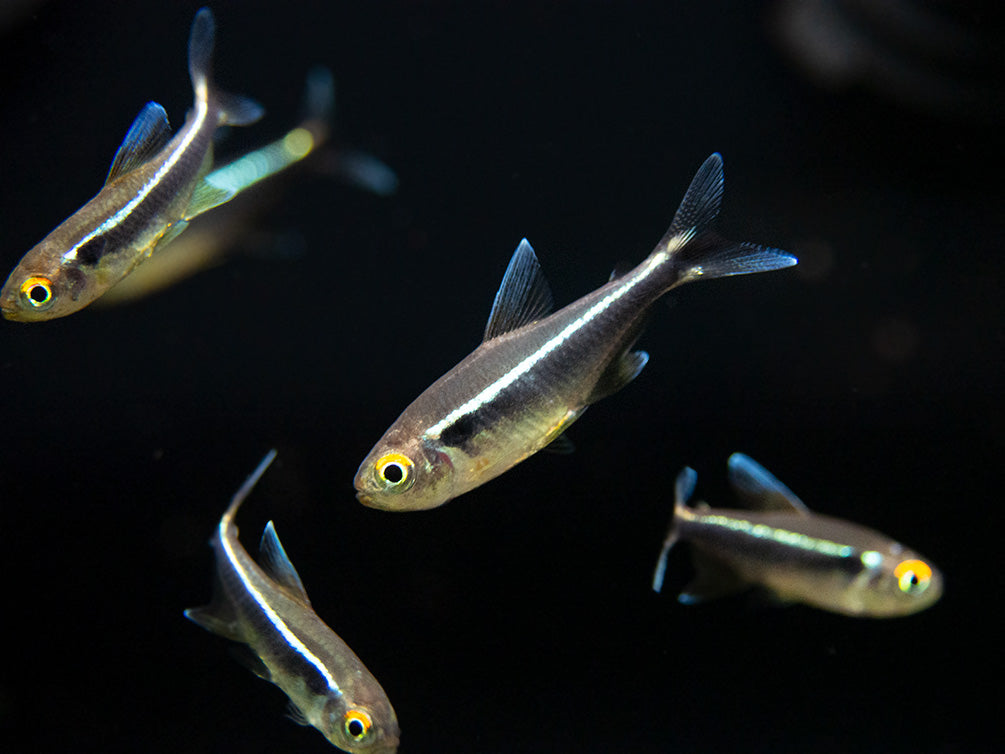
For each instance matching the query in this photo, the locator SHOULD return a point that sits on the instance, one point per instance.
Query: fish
(793, 553)
(535, 371)
(156, 185)
(214, 237)
(266, 608)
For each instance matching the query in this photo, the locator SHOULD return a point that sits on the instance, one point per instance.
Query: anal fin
(215, 621)
(712, 579)
(619, 373)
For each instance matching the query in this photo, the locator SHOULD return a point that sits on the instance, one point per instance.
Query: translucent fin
(238, 110)
(247, 657)
(683, 490)
(296, 714)
(700, 253)
(620, 269)
(759, 489)
(618, 374)
(234, 109)
(146, 137)
(207, 195)
(249, 484)
(709, 255)
(523, 297)
(173, 231)
(319, 94)
(363, 170)
(712, 579)
(200, 48)
(276, 563)
(217, 618)
(702, 201)
(561, 445)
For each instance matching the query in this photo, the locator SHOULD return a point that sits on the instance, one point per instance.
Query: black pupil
(38, 294)
(355, 728)
(393, 473)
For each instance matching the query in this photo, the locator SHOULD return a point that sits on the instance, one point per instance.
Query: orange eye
(37, 292)
(912, 576)
(395, 472)
(357, 724)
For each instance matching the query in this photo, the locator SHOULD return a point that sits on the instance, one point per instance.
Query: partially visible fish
(266, 607)
(212, 238)
(536, 372)
(797, 555)
(155, 186)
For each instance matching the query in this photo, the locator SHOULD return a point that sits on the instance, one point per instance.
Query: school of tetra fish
(535, 373)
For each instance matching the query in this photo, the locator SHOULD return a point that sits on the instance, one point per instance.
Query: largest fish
(155, 186)
(536, 372)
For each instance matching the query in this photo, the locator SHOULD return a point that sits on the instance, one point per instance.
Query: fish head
(898, 582)
(405, 473)
(39, 289)
(369, 727)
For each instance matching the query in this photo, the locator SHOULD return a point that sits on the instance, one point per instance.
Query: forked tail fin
(698, 252)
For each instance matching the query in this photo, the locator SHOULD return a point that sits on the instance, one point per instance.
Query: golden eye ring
(36, 291)
(912, 576)
(395, 472)
(357, 724)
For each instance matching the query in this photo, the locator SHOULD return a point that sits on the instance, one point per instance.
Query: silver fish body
(154, 187)
(795, 554)
(266, 608)
(536, 372)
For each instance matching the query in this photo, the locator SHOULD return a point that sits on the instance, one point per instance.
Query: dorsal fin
(276, 563)
(146, 137)
(759, 489)
(523, 297)
(687, 480)
(620, 270)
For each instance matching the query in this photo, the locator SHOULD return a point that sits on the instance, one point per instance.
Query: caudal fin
(233, 109)
(683, 489)
(699, 252)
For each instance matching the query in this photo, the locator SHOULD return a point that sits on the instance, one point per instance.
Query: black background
(517, 618)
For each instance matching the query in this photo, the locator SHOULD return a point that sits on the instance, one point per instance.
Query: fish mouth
(366, 500)
(12, 313)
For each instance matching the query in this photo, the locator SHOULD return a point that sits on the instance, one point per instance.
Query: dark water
(517, 618)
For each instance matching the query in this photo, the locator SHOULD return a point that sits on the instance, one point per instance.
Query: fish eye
(913, 576)
(37, 292)
(357, 724)
(395, 472)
